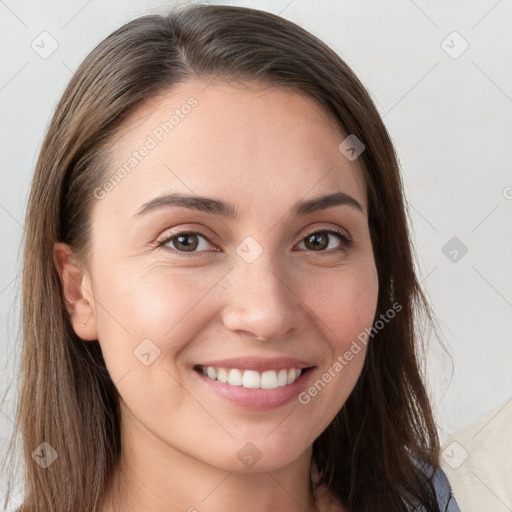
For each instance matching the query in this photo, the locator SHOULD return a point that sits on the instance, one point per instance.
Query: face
(221, 317)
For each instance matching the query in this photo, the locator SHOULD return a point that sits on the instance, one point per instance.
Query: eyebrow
(217, 207)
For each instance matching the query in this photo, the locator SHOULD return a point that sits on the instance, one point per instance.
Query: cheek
(345, 303)
(163, 305)
(146, 320)
(159, 306)
(345, 306)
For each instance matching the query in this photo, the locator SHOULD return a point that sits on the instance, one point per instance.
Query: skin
(262, 150)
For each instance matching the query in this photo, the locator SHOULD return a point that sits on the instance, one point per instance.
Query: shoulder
(477, 460)
(445, 498)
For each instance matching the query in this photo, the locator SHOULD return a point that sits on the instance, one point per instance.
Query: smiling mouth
(252, 379)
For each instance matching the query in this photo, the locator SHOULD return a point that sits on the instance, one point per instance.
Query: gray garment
(447, 502)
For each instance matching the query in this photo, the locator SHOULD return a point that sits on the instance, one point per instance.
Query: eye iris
(185, 241)
(313, 239)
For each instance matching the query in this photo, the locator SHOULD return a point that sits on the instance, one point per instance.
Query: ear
(76, 287)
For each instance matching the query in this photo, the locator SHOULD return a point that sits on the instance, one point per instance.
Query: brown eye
(186, 242)
(319, 241)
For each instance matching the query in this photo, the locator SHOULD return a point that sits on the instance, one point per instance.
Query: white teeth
(222, 375)
(252, 379)
(235, 377)
(269, 380)
(282, 378)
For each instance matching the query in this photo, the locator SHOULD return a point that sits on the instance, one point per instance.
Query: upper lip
(258, 364)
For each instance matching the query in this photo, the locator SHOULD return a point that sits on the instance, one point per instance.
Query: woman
(219, 294)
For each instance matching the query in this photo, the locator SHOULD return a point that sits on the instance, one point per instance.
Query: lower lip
(258, 399)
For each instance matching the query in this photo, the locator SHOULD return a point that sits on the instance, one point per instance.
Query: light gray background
(450, 118)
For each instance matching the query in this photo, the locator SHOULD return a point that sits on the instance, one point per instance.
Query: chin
(257, 455)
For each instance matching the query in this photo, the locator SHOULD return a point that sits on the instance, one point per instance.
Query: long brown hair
(380, 451)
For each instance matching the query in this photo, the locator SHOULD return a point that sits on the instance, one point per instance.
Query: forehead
(232, 141)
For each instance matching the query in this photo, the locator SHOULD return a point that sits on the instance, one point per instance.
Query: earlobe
(76, 289)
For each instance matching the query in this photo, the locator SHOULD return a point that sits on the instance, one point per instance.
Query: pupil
(314, 241)
(185, 241)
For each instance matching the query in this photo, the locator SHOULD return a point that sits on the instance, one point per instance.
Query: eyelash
(345, 241)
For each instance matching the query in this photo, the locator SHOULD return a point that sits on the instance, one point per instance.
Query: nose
(262, 300)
